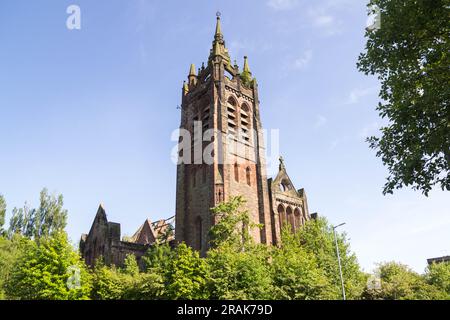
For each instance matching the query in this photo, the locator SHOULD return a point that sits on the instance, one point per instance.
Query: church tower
(221, 147)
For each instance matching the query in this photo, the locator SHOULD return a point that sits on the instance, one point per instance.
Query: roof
(149, 232)
(439, 259)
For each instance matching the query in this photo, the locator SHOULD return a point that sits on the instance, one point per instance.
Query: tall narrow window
(245, 122)
(290, 218)
(248, 173)
(297, 219)
(236, 172)
(232, 117)
(282, 215)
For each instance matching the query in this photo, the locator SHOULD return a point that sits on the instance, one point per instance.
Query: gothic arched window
(245, 121)
(232, 115)
(297, 218)
(282, 215)
(248, 174)
(290, 217)
(236, 172)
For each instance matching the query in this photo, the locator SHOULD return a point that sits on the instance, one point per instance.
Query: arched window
(248, 174)
(245, 119)
(199, 230)
(282, 215)
(297, 218)
(232, 116)
(290, 217)
(236, 172)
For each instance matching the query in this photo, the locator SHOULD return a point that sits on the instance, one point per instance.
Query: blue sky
(89, 113)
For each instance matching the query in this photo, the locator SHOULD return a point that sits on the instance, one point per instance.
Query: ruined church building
(222, 97)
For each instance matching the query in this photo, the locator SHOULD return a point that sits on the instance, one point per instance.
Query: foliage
(2, 214)
(167, 234)
(130, 265)
(49, 270)
(438, 275)
(107, 282)
(398, 282)
(234, 225)
(158, 258)
(239, 274)
(44, 221)
(10, 251)
(317, 238)
(297, 274)
(410, 55)
(303, 267)
(185, 277)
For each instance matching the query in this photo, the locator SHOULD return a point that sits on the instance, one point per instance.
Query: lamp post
(339, 259)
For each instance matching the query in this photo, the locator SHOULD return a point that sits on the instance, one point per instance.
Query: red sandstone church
(223, 99)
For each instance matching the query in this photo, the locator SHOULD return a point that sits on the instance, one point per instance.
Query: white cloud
(323, 16)
(282, 4)
(357, 94)
(323, 20)
(368, 130)
(303, 60)
(320, 122)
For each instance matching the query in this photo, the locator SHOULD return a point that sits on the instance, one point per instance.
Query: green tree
(297, 274)
(234, 224)
(2, 215)
(438, 275)
(10, 251)
(44, 221)
(238, 268)
(239, 274)
(127, 283)
(50, 217)
(410, 54)
(130, 265)
(317, 238)
(186, 275)
(107, 282)
(49, 270)
(399, 282)
(158, 258)
(145, 286)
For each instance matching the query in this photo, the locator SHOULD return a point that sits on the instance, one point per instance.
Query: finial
(218, 34)
(246, 67)
(282, 167)
(192, 70)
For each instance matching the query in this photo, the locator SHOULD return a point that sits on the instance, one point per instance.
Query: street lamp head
(339, 225)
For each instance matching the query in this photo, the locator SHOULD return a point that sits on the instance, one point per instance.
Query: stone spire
(246, 67)
(192, 70)
(246, 75)
(192, 77)
(218, 36)
(218, 45)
